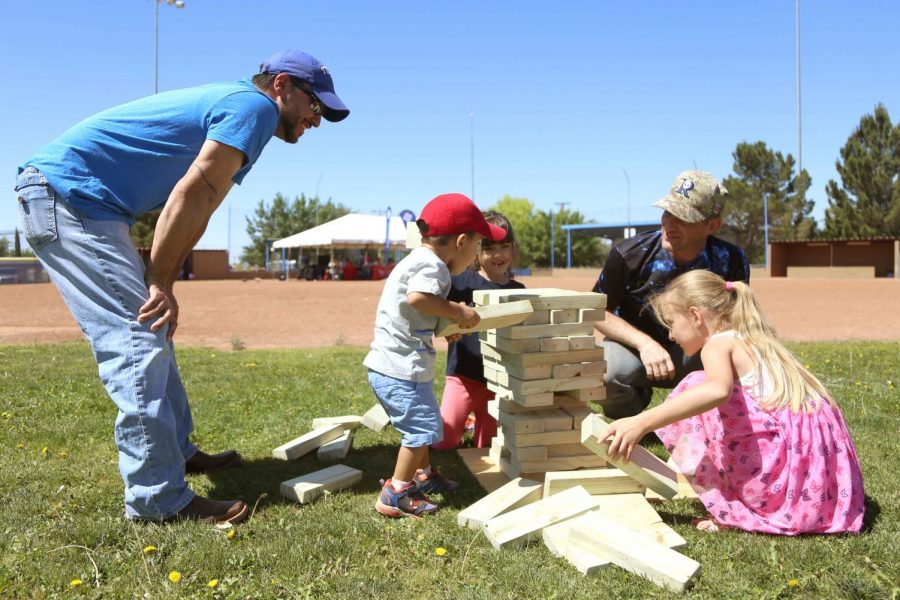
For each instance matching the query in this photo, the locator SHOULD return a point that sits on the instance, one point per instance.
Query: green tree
(867, 202)
(761, 175)
(586, 248)
(4, 247)
(284, 218)
(143, 229)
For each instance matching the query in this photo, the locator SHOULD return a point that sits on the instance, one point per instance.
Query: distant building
(22, 269)
(864, 257)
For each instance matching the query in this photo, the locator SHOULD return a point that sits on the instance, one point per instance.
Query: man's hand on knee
(657, 361)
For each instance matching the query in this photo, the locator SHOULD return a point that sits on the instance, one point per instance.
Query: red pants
(462, 396)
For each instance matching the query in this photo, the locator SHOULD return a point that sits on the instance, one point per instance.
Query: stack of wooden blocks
(544, 371)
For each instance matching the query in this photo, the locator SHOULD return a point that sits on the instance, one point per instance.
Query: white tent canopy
(349, 231)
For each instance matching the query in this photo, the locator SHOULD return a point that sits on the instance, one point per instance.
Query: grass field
(62, 496)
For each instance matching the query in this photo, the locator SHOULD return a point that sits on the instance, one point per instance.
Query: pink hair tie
(729, 286)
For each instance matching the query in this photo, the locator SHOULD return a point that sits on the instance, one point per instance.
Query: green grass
(62, 506)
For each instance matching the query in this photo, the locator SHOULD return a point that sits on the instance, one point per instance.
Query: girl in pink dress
(759, 437)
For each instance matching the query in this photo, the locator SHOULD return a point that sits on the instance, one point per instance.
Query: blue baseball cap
(307, 68)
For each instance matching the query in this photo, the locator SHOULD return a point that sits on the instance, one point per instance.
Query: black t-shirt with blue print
(639, 267)
(464, 355)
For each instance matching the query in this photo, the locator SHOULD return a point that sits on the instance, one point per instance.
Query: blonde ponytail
(734, 306)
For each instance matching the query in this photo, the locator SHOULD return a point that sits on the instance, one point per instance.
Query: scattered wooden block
(643, 466)
(597, 482)
(349, 422)
(511, 346)
(565, 371)
(336, 449)
(634, 552)
(307, 442)
(554, 344)
(519, 332)
(375, 418)
(492, 317)
(520, 525)
(307, 488)
(564, 315)
(635, 512)
(536, 357)
(486, 471)
(582, 342)
(515, 494)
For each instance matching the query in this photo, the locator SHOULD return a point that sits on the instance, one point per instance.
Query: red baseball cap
(450, 214)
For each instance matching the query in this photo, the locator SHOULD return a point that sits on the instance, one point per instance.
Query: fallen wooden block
(375, 418)
(633, 552)
(492, 317)
(515, 494)
(635, 512)
(520, 525)
(308, 487)
(597, 482)
(307, 442)
(644, 467)
(336, 449)
(349, 422)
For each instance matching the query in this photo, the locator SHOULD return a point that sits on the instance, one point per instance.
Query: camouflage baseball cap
(695, 196)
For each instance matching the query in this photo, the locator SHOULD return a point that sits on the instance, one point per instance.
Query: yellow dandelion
(440, 551)
(45, 450)
(213, 356)
(174, 576)
(212, 583)
(75, 582)
(793, 582)
(250, 365)
(149, 549)
(807, 365)
(5, 415)
(231, 533)
(62, 454)
(20, 445)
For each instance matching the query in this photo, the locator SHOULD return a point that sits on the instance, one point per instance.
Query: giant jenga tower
(544, 372)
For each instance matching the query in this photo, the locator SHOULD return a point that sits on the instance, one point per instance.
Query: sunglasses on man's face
(316, 105)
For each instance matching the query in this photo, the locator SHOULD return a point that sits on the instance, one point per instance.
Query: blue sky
(565, 95)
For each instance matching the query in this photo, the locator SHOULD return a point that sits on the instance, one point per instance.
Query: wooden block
(486, 471)
(644, 467)
(492, 317)
(511, 346)
(564, 400)
(553, 299)
(515, 494)
(634, 511)
(592, 394)
(518, 526)
(565, 371)
(536, 357)
(531, 422)
(556, 538)
(557, 420)
(557, 463)
(634, 552)
(519, 332)
(557, 450)
(685, 489)
(597, 367)
(548, 438)
(579, 413)
(336, 449)
(564, 315)
(582, 342)
(307, 442)
(375, 418)
(526, 454)
(597, 482)
(538, 317)
(349, 422)
(533, 400)
(554, 344)
(535, 372)
(512, 407)
(591, 314)
(308, 487)
(413, 236)
(498, 377)
(537, 386)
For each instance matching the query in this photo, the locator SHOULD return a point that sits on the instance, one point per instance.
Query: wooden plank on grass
(348, 421)
(307, 488)
(597, 482)
(307, 442)
(644, 467)
(515, 494)
(633, 552)
(375, 418)
(518, 526)
(492, 317)
(336, 449)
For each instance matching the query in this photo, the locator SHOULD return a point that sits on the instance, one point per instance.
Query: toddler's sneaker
(408, 502)
(434, 482)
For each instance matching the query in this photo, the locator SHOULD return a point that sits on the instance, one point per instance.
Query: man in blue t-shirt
(638, 352)
(180, 151)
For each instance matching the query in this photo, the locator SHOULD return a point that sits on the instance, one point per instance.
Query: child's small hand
(467, 317)
(453, 338)
(626, 434)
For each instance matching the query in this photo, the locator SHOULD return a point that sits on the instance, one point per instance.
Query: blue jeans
(412, 408)
(100, 276)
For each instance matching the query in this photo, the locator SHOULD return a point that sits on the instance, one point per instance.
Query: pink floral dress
(770, 472)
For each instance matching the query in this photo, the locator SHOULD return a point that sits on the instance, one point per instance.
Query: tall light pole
(472, 152)
(628, 219)
(562, 206)
(156, 3)
(799, 123)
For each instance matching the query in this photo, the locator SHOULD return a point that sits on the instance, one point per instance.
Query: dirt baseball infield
(305, 314)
